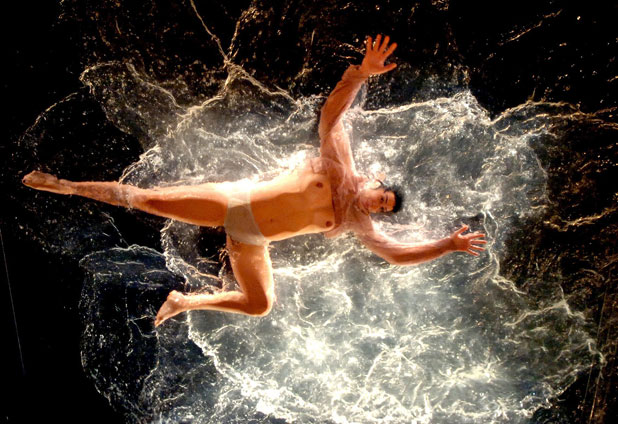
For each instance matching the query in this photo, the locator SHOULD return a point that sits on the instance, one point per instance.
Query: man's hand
(469, 243)
(376, 54)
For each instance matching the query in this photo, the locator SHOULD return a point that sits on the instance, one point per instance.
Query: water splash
(350, 339)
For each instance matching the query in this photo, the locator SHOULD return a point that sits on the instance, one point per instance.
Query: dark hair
(399, 198)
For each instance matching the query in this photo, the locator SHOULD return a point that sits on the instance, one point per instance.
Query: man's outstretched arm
(334, 140)
(398, 253)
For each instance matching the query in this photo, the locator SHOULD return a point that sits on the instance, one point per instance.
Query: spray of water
(351, 339)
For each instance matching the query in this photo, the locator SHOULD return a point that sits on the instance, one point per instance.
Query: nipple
(319, 185)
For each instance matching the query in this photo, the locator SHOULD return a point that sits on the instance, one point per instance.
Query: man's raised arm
(334, 141)
(398, 253)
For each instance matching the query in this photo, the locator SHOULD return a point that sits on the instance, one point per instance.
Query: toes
(37, 179)
(30, 178)
(171, 307)
(161, 318)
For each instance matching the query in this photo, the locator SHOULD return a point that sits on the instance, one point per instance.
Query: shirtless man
(326, 196)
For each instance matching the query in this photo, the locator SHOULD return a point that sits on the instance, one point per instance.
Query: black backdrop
(513, 52)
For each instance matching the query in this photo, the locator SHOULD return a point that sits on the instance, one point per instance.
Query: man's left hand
(469, 243)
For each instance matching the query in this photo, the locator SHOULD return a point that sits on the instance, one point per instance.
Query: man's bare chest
(294, 204)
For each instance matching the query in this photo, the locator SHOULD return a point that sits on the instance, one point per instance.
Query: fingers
(476, 238)
(386, 68)
(473, 241)
(391, 49)
(380, 46)
(384, 45)
(477, 242)
(471, 236)
(463, 228)
(473, 246)
(390, 67)
(377, 51)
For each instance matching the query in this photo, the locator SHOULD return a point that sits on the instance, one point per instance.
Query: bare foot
(47, 182)
(175, 304)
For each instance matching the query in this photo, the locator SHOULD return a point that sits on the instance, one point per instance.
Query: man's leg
(202, 204)
(253, 271)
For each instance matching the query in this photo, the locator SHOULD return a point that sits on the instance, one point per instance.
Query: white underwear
(239, 222)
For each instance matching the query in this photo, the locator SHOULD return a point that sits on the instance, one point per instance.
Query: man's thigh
(202, 205)
(253, 271)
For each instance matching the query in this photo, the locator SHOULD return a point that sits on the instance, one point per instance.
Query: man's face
(376, 200)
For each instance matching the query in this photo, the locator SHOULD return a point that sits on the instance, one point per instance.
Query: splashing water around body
(349, 340)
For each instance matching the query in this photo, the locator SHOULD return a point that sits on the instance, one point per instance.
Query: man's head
(380, 200)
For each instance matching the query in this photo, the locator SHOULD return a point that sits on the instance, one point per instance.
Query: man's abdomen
(300, 203)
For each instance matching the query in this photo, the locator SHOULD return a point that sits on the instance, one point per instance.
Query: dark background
(43, 373)
(513, 52)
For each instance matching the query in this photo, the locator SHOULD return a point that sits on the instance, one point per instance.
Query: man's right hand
(376, 54)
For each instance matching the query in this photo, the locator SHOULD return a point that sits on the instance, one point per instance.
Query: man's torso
(293, 204)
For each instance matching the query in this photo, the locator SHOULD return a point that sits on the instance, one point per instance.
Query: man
(327, 196)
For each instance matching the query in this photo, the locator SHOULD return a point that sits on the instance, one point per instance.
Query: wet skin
(302, 202)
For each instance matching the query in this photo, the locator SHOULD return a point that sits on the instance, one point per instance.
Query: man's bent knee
(260, 307)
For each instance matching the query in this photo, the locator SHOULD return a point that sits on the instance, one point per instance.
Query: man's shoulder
(318, 165)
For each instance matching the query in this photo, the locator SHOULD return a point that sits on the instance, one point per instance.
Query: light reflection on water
(351, 339)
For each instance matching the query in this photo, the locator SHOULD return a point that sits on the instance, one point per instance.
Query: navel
(329, 223)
